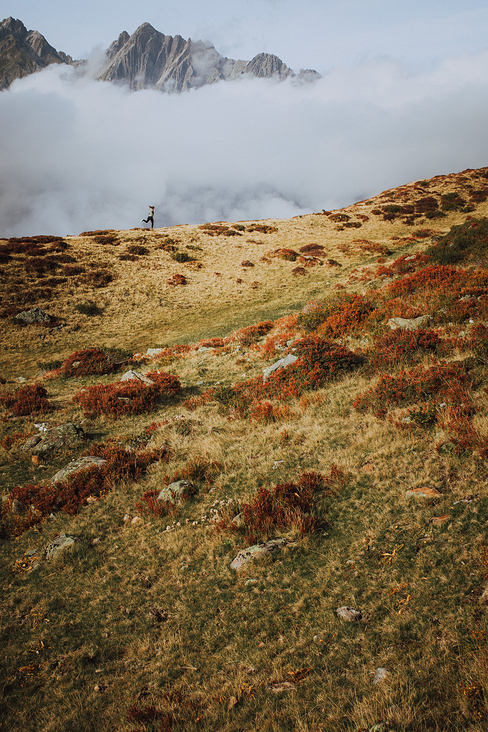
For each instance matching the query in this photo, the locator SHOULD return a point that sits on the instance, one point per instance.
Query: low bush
(137, 249)
(402, 346)
(41, 500)
(338, 315)
(462, 243)
(91, 361)
(441, 383)
(29, 399)
(177, 279)
(289, 506)
(252, 333)
(128, 397)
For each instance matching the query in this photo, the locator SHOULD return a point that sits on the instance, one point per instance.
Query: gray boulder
(58, 545)
(281, 364)
(56, 438)
(75, 466)
(136, 376)
(408, 323)
(273, 546)
(177, 492)
(36, 315)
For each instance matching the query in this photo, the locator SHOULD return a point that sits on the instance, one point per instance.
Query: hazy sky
(404, 96)
(307, 34)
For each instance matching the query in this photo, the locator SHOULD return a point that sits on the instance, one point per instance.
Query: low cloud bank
(77, 154)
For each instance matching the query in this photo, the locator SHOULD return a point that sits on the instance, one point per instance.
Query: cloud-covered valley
(78, 154)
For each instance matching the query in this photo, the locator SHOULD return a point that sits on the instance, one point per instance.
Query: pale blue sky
(306, 34)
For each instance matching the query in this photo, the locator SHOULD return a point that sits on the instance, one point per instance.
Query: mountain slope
(23, 52)
(364, 460)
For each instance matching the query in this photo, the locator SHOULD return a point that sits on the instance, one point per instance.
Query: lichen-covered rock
(177, 492)
(349, 614)
(36, 315)
(57, 545)
(136, 376)
(75, 466)
(408, 323)
(56, 438)
(258, 550)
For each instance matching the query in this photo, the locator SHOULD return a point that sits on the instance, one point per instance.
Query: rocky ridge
(147, 59)
(23, 52)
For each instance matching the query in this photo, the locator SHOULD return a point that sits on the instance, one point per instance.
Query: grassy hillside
(366, 456)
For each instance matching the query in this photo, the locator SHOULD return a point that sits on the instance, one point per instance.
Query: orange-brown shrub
(70, 494)
(128, 397)
(28, 399)
(90, 361)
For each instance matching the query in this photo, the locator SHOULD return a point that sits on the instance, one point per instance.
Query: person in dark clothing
(150, 217)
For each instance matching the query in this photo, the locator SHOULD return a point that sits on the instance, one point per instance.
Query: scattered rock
(18, 508)
(64, 435)
(177, 492)
(436, 520)
(282, 686)
(232, 703)
(281, 364)
(57, 545)
(36, 315)
(349, 614)
(258, 550)
(75, 466)
(152, 352)
(380, 675)
(408, 323)
(423, 493)
(136, 376)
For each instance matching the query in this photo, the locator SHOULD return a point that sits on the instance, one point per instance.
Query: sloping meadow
(358, 467)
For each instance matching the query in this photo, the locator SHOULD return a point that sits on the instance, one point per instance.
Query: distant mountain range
(145, 60)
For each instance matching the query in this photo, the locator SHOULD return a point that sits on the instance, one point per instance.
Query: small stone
(232, 702)
(136, 520)
(349, 613)
(380, 675)
(75, 466)
(154, 351)
(423, 493)
(282, 686)
(58, 544)
(258, 550)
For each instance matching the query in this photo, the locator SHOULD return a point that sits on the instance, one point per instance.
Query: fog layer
(77, 154)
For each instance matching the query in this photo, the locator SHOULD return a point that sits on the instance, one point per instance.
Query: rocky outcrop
(150, 60)
(23, 52)
(145, 60)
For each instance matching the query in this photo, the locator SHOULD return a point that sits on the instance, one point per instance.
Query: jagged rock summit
(149, 59)
(22, 52)
(145, 60)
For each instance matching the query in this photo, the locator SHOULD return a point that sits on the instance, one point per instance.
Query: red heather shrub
(403, 265)
(127, 397)
(177, 279)
(336, 316)
(442, 381)
(70, 494)
(297, 271)
(212, 343)
(92, 361)
(27, 400)
(402, 345)
(289, 506)
(252, 333)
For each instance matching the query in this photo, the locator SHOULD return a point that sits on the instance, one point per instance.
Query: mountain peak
(23, 52)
